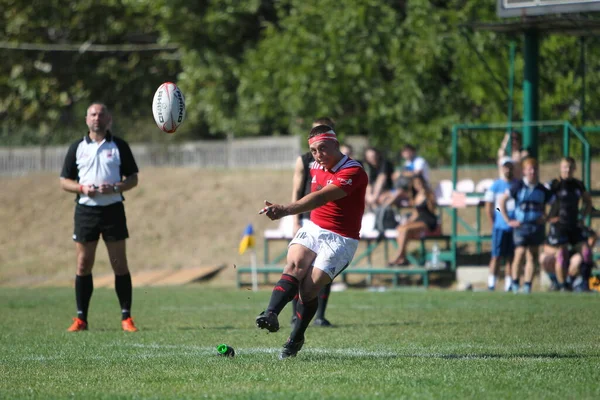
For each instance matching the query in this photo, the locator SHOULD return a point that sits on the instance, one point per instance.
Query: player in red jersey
(326, 244)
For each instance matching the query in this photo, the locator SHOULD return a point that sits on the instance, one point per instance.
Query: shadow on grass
(341, 355)
(403, 323)
(505, 356)
(210, 328)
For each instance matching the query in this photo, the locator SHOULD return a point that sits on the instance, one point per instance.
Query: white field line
(149, 351)
(268, 350)
(156, 350)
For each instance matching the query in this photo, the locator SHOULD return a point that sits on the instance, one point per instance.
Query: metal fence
(262, 152)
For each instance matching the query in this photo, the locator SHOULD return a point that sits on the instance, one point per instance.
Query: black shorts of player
(529, 235)
(559, 234)
(93, 221)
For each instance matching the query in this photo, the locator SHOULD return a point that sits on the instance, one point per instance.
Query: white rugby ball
(168, 107)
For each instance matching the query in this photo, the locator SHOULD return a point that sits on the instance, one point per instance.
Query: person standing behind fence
(301, 187)
(528, 223)
(502, 234)
(94, 169)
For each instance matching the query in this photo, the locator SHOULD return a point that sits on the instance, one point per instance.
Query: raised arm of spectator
(503, 145)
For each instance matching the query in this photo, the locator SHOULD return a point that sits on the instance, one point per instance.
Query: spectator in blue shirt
(502, 233)
(530, 198)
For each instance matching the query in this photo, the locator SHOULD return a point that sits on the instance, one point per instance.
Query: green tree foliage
(45, 93)
(213, 37)
(397, 71)
(394, 74)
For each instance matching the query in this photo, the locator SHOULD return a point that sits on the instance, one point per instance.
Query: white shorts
(334, 252)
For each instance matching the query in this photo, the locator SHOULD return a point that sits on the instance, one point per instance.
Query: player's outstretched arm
(307, 203)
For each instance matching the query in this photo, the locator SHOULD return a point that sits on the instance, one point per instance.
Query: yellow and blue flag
(247, 241)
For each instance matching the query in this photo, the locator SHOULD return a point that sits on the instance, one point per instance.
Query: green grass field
(394, 344)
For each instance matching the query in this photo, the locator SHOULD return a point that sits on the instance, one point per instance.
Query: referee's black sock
(283, 292)
(323, 298)
(124, 293)
(84, 287)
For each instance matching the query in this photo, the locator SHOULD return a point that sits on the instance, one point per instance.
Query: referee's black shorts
(91, 221)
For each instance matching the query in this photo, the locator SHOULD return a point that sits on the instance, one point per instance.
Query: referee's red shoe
(128, 325)
(78, 325)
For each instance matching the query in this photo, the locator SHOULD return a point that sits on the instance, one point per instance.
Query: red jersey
(343, 216)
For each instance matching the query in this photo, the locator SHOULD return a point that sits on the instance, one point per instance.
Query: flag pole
(254, 271)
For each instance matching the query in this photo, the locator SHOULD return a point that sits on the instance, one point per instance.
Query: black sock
(586, 270)
(283, 292)
(323, 298)
(124, 293)
(586, 273)
(295, 306)
(84, 287)
(306, 312)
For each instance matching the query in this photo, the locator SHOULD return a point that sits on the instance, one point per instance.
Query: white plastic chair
(483, 185)
(285, 230)
(465, 186)
(444, 189)
(367, 228)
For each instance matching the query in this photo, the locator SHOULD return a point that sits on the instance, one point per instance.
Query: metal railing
(567, 130)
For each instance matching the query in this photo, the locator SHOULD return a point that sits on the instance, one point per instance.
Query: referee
(99, 168)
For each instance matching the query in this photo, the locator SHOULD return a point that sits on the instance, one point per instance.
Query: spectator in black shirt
(566, 227)
(380, 173)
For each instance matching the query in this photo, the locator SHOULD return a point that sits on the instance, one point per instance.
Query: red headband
(329, 135)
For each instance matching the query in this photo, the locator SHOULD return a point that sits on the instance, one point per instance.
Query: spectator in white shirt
(413, 166)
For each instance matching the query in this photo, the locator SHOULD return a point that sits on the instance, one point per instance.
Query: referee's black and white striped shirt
(92, 163)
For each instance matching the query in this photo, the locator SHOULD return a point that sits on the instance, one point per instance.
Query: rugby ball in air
(168, 107)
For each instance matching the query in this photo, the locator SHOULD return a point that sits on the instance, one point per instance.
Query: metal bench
(396, 273)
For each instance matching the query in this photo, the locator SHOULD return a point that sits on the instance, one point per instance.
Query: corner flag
(247, 241)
